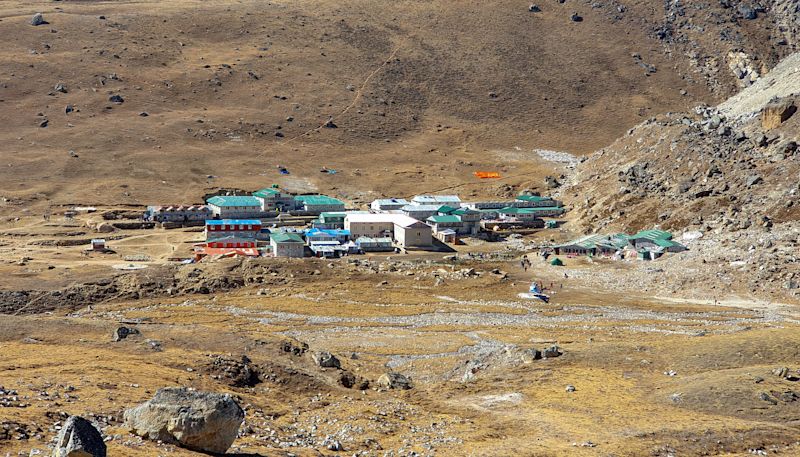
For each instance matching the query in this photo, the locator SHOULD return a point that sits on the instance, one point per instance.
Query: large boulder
(200, 421)
(123, 332)
(104, 227)
(776, 113)
(38, 19)
(327, 360)
(79, 438)
(394, 381)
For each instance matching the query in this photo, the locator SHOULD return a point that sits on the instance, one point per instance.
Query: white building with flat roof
(404, 230)
(449, 200)
(388, 204)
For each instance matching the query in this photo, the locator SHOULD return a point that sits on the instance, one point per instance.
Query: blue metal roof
(234, 200)
(330, 232)
(233, 222)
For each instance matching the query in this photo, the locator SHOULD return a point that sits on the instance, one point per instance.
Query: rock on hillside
(201, 421)
(79, 438)
(783, 81)
(716, 171)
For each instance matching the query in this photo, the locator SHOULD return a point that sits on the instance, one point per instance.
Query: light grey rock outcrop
(79, 438)
(200, 421)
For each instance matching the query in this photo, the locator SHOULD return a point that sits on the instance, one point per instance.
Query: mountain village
(274, 222)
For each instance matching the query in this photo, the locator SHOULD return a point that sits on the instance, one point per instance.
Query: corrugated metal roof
(445, 209)
(430, 199)
(381, 241)
(391, 201)
(667, 243)
(653, 234)
(532, 198)
(284, 237)
(444, 219)
(318, 200)
(332, 215)
(229, 239)
(268, 192)
(586, 241)
(234, 200)
(329, 232)
(233, 222)
(417, 208)
(539, 209)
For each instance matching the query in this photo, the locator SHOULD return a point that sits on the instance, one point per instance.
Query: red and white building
(237, 228)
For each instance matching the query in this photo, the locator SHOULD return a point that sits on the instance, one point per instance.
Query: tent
(557, 262)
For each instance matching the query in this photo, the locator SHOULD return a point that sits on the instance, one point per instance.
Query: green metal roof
(444, 209)
(653, 235)
(283, 237)
(230, 200)
(586, 242)
(462, 211)
(331, 215)
(267, 193)
(532, 198)
(666, 243)
(444, 219)
(530, 210)
(318, 200)
(539, 209)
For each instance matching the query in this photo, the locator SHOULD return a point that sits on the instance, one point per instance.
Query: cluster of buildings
(262, 204)
(645, 245)
(234, 224)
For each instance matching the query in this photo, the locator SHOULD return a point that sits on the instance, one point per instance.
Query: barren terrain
(694, 353)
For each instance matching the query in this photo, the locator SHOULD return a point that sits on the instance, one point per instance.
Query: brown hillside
(406, 84)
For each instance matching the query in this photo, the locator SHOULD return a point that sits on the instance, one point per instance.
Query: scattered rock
(116, 99)
(776, 113)
(123, 332)
(200, 421)
(38, 19)
(747, 12)
(79, 438)
(335, 445)
(394, 381)
(576, 17)
(60, 87)
(233, 372)
(351, 381)
(781, 372)
(296, 349)
(551, 182)
(330, 124)
(768, 398)
(752, 180)
(327, 360)
(570, 388)
(552, 351)
(534, 9)
(104, 227)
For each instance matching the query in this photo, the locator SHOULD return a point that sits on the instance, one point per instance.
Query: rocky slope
(728, 172)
